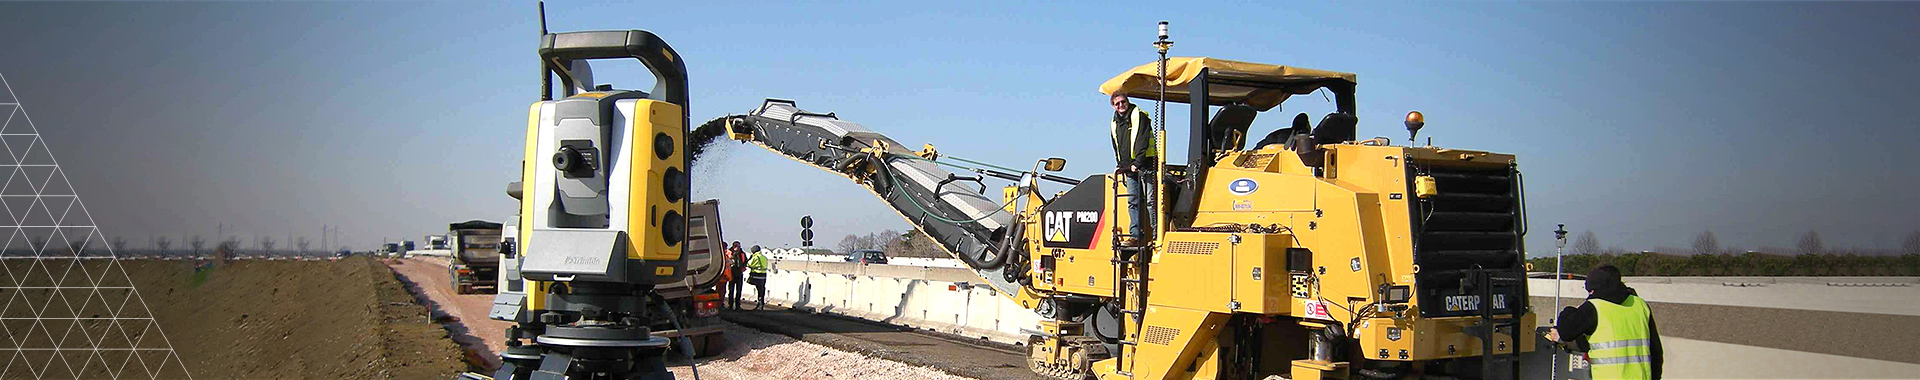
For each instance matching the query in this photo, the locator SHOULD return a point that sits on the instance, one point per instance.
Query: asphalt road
(973, 358)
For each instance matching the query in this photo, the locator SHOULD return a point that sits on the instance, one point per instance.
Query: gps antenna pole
(1559, 248)
(1160, 140)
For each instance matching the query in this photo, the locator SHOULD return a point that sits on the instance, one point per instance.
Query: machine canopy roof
(1261, 86)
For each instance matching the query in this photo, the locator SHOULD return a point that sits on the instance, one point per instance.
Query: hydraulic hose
(686, 345)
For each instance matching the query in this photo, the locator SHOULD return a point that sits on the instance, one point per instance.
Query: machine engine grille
(1473, 221)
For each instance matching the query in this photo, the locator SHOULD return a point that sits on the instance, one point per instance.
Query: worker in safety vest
(1615, 328)
(758, 278)
(1134, 153)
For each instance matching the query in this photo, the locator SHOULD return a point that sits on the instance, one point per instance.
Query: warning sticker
(1312, 309)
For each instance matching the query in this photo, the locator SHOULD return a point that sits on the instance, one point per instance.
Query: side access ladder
(1130, 269)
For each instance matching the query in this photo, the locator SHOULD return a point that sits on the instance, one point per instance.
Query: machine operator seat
(1334, 128)
(1229, 126)
(1285, 136)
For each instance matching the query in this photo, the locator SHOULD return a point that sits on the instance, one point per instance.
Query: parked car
(867, 256)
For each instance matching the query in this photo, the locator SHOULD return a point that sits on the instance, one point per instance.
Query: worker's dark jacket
(1576, 324)
(1132, 133)
(736, 260)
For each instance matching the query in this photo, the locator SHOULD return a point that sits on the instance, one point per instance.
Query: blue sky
(1645, 123)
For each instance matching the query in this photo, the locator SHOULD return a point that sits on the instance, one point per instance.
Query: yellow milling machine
(1306, 255)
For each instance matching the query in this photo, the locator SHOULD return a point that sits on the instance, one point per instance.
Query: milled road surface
(482, 335)
(959, 356)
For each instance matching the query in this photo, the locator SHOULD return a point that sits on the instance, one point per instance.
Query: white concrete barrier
(947, 300)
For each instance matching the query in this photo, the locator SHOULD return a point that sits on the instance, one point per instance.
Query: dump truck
(474, 261)
(696, 299)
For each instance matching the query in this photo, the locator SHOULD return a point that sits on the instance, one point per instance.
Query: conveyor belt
(958, 216)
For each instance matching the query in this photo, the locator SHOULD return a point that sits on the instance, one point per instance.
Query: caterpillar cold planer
(1306, 255)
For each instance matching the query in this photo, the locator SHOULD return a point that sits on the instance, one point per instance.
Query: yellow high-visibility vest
(1621, 346)
(1125, 142)
(758, 264)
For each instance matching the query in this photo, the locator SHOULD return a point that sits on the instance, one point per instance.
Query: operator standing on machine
(1615, 327)
(1134, 152)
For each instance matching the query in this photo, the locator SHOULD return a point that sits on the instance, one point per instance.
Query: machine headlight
(1395, 293)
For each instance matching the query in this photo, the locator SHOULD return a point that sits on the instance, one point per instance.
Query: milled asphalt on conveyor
(959, 356)
(1862, 335)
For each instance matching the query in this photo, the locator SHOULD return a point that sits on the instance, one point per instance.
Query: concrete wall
(947, 300)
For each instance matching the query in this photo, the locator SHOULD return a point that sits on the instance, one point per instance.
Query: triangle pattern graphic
(67, 308)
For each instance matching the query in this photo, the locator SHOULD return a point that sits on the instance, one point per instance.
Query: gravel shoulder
(753, 354)
(467, 313)
(958, 356)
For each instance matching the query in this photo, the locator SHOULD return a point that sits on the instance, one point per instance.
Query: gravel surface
(474, 330)
(752, 354)
(959, 356)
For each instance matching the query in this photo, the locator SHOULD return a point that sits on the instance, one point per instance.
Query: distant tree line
(1810, 256)
(897, 244)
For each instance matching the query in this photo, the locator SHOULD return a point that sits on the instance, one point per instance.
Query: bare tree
(227, 250)
(119, 244)
(1912, 245)
(1587, 244)
(1810, 244)
(302, 243)
(1706, 244)
(887, 240)
(266, 243)
(849, 244)
(197, 242)
(916, 244)
(162, 243)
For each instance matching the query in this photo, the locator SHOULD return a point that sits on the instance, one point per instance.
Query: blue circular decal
(1243, 186)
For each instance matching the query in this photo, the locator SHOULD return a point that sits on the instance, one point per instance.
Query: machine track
(1082, 353)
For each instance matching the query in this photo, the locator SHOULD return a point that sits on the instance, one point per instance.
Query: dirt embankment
(470, 326)
(347, 319)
